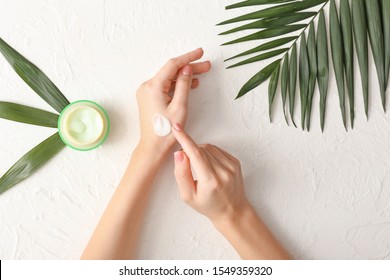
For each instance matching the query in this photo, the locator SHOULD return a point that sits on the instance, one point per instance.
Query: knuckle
(144, 86)
(172, 61)
(237, 165)
(214, 183)
(227, 176)
(208, 146)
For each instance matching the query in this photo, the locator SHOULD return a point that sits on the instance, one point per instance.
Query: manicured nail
(187, 70)
(178, 156)
(177, 127)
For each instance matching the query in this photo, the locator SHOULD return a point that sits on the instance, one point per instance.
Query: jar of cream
(83, 125)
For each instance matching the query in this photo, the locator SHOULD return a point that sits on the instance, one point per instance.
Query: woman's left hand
(167, 93)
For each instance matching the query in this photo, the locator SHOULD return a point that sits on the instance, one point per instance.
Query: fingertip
(179, 157)
(199, 52)
(187, 70)
(208, 62)
(178, 127)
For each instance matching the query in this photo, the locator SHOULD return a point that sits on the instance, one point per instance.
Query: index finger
(198, 159)
(169, 71)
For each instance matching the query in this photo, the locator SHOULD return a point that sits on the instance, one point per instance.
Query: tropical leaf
(34, 77)
(277, 10)
(346, 29)
(258, 79)
(284, 85)
(322, 66)
(386, 35)
(26, 114)
(336, 43)
(292, 81)
(272, 22)
(31, 162)
(255, 2)
(351, 22)
(375, 32)
(359, 22)
(259, 57)
(266, 46)
(273, 84)
(268, 33)
(304, 73)
(312, 55)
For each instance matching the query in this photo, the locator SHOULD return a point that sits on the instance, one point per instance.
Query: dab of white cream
(161, 125)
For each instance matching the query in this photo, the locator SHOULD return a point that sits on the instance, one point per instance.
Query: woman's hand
(218, 192)
(167, 93)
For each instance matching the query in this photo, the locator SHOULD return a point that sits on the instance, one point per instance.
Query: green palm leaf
(312, 55)
(276, 11)
(304, 73)
(386, 32)
(266, 46)
(356, 22)
(268, 33)
(284, 85)
(34, 77)
(259, 57)
(31, 162)
(255, 2)
(272, 22)
(375, 32)
(322, 66)
(336, 43)
(258, 79)
(359, 21)
(346, 29)
(26, 114)
(273, 84)
(292, 81)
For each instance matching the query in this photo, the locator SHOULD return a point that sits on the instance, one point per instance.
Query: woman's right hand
(218, 192)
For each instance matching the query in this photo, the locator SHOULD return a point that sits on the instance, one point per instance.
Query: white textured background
(324, 195)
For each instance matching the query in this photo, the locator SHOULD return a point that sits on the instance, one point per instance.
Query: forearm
(250, 237)
(116, 234)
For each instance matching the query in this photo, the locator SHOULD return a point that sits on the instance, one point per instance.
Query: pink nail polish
(177, 127)
(178, 156)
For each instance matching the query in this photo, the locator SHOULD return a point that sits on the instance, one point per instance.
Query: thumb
(183, 175)
(183, 86)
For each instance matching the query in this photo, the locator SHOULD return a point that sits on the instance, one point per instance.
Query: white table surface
(324, 195)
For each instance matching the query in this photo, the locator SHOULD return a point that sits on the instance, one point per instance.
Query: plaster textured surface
(324, 195)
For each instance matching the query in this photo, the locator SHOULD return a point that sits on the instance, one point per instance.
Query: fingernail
(177, 127)
(187, 70)
(178, 156)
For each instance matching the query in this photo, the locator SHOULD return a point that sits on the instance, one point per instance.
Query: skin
(218, 192)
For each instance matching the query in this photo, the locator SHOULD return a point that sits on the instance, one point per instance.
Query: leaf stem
(304, 29)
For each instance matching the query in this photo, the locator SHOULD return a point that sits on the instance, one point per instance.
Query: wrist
(155, 149)
(235, 219)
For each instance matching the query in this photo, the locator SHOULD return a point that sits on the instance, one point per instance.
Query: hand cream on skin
(83, 125)
(161, 125)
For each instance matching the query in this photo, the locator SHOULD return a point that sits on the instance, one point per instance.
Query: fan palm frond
(350, 25)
